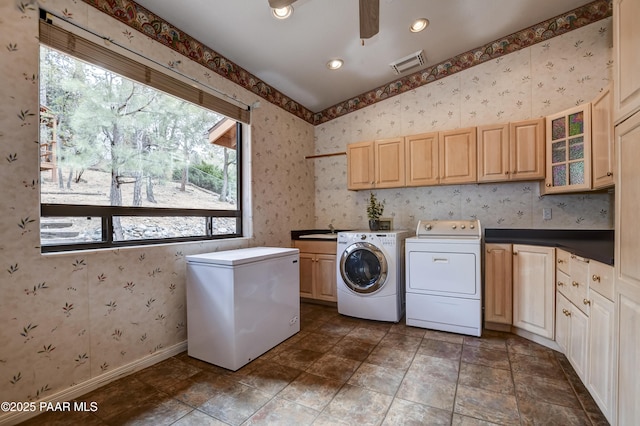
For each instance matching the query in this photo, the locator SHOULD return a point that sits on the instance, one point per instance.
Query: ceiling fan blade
(277, 4)
(369, 18)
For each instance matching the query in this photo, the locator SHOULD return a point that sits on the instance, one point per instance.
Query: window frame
(176, 88)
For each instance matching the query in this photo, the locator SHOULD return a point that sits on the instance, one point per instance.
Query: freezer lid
(241, 256)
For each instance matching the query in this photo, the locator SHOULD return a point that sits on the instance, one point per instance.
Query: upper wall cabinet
(513, 151)
(626, 39)
(458, 156)
(568, 165)
(602, 142)
(360, 165)
(376, 164)
(421, 153)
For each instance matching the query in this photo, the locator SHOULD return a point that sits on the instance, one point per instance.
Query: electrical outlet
(546, 214)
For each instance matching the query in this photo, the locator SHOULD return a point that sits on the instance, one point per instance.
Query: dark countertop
(593, 244)
(295, 235)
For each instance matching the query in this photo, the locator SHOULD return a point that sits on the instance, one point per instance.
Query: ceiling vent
(414, 60)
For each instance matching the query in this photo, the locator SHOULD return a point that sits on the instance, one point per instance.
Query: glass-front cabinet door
(568, 151)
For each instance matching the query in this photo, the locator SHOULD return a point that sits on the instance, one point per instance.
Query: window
(125, 163)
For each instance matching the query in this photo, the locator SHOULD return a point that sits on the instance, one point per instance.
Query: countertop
(593, 244)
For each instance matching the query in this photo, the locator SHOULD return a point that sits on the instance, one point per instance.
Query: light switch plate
(546, 214)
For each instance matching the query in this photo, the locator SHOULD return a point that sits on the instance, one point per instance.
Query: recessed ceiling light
(419, 25)
(334, 64)
(282, 12)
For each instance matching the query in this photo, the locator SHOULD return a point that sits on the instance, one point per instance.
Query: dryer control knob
(462, 226)
(472, 226)
(453, 226)
(363, 237)
(427, 227)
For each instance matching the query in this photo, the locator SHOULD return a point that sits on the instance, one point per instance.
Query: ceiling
(291, 55)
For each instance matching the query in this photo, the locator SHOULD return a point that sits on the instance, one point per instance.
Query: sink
(319, 236)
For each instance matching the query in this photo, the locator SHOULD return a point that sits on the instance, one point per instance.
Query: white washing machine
(370, 274)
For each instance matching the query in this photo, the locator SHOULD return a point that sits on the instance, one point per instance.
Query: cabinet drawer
(562, 261)
(323, 247)
(601, 279)
(578, 294)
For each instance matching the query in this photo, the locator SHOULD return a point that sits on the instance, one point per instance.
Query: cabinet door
(627, 269)
(421, 159)
(325, 277)
(534, 289)
(602, 146)
(526, 155)
(601, 361)
(577, 352)
(360, 166)
(389, 163)
(498, 283)
(306, 274)
(563, 321)
(493, 153)
(626, 39)
(458, 161)
(568, 146)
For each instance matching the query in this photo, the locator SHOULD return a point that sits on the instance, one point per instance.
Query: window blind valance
(83, 49)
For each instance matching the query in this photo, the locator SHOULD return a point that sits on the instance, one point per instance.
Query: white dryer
(370, 274)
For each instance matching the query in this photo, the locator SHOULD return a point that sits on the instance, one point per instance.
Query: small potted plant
(374, 211)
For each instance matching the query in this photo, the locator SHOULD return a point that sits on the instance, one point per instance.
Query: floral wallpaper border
(141, 19)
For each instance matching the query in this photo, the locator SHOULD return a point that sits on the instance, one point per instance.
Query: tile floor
(346, 371)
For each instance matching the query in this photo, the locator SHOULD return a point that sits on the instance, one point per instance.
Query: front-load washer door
(363, 268)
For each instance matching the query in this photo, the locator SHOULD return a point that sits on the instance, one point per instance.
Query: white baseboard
(94, 383)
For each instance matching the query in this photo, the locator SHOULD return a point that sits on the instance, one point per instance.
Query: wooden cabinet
(602, 144)
(513, 151)
(376, 164)
(360, 165)
(317, 270)
(498, 284)
(389, 163)
(421, 159)
(568, 151)
(457, 156)
(627, 267)
(534, 289)
(601, 343)
(626, 39)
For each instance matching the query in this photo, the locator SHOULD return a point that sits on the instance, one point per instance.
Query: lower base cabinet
(317, 270)
(601, 362)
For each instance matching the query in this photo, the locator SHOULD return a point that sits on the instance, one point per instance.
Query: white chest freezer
(241, 303)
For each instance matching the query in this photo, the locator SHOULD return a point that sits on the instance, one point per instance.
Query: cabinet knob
(507, 172)
(595, 278)
(548, 185)
(575, 283)
(566, 312)
(515, 253)
(586, 301)
(560, 261)
(560, 283)
(609, 174)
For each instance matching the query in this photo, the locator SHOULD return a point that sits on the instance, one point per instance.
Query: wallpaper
(533, 82)
(70, 318)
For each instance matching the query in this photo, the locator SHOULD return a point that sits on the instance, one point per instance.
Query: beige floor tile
(357, 405)
(534, 411)
(367, 335)
(401, 341)
(387, 356)
(352, 348)
(385, 380)
(428, 367)
(487, 378)
(440, 349)
(236, 405)
(271, 378)
(334, 367)
(311, 391)
(486, 405)
(496, 343)
(545, 389)
(405, 413)
(282, 412)
(486, 357)
(544, 365)
(433, 392)
(317, 342)
(198, 418)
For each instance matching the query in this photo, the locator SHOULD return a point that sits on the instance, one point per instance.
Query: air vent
(414, 60)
